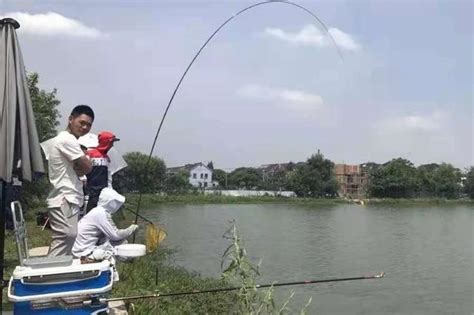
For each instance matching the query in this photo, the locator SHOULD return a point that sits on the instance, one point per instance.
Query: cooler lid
(76, 266)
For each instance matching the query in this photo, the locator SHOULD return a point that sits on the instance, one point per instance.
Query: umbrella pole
(3, 209)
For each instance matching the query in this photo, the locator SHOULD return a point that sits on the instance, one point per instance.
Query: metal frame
(20, 231)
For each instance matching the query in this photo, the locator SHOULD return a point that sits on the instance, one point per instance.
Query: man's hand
(82, 165)
(133, 228)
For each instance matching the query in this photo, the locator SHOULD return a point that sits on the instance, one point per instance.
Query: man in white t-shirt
(66, 163)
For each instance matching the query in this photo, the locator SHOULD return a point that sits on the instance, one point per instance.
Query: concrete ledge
(38, 251)
(117, 308)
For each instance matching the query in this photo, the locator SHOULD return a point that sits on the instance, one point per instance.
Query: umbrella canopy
(20, 152)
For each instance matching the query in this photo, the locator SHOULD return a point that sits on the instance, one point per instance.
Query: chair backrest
(20, 231)
(22, 244)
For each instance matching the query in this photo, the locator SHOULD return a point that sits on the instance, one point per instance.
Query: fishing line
(320, 23)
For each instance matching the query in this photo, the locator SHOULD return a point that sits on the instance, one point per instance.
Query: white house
(200, 176)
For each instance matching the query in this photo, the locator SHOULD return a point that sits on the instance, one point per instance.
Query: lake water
(426, 252)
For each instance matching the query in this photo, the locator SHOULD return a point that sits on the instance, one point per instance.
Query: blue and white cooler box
(49, 289)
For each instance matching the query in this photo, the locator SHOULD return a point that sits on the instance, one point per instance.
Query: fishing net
(153, 237)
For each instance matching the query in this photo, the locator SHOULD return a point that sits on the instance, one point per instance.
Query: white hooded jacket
(98, 226)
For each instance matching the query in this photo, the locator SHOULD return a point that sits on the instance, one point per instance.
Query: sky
(381, 80)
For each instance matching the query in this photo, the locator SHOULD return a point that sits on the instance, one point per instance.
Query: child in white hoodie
(97, 233)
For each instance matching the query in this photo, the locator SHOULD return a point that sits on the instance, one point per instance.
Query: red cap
(107, 136)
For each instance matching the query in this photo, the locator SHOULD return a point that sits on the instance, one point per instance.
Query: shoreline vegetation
(149, 200)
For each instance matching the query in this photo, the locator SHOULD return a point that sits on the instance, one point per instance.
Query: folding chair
(41, 260)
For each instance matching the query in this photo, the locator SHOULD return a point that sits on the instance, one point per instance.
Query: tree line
(315, 178)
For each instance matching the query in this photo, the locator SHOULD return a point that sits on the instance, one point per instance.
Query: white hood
(110, 200)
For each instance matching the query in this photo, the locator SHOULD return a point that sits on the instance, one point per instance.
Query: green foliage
(400, 179)
(139, 277)
(245, 178)
(153, 199)
(277, 180)
(447, 180)
(426, 180)
(45, 106)
(242, 273)
(315, 178)
(210, 165)
(33, 194)
(395, 179)
(220, 176)
(138, 177)
(469, 183)
(177, 183)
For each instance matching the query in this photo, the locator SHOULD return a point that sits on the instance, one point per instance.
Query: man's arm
(110, 230)
(82, 165)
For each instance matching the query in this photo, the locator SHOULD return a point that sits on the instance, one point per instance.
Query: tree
(210, 165)
(45, 106)
(315, 178)
(426, 180)
(135, 177)
(469, 183)
(221, 177)
(394, 179)
(245, 177)
(177, 183)
(276, 180)
(447, 180)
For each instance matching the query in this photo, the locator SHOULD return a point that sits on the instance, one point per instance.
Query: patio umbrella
(20, 153)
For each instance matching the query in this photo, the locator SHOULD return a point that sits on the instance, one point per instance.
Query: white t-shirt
(66, 184)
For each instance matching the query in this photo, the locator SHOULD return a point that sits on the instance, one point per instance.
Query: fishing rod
(319, 22)
(139, 215)
(258, 286)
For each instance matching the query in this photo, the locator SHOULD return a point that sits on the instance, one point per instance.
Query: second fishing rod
(216, 290)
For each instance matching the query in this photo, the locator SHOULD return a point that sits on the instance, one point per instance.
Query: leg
(92, 203)
(64, 227)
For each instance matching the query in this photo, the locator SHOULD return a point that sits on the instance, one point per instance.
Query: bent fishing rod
(258, 286)
(319, 23)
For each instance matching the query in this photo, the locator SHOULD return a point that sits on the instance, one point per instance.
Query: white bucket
(131, 250)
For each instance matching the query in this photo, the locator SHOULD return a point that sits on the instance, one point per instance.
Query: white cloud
(344, 40)
(310, 35)
(413, 123)
(53, 24)
(291, 99)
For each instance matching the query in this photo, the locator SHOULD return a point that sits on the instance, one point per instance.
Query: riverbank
(139, 277)
(152, 199)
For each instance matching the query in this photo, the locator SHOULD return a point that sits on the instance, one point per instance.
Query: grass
(152, 199)
(139, 277)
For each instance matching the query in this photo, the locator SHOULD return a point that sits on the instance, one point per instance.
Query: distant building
(200, 176)
(352, 180)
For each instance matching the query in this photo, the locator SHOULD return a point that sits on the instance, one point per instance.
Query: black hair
(82, 109)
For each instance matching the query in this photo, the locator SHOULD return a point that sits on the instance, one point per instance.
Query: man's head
(80, 120)
(106, 140)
